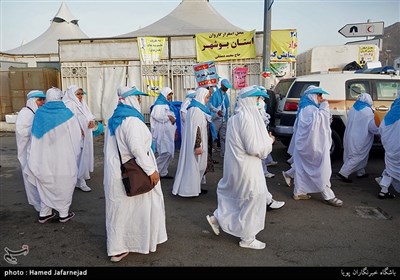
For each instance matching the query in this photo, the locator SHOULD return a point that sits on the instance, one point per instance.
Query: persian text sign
(150, 48)
(219, 46)
(239, 77)
(206, 74)
(284, 45)
(366, 54)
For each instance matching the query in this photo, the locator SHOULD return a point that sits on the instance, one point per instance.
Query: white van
(343, 89)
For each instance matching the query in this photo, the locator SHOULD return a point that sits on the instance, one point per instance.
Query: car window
(387, 90)
(298, 88)
(355, 88)
(283, 86)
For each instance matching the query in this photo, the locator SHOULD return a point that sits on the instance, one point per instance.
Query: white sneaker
(275, 205)
(84, 188)
(269, 175)
(272, 163)
(287, 178)
(213, 223)
(254, 244)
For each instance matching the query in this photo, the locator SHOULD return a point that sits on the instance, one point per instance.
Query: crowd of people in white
(59, 125)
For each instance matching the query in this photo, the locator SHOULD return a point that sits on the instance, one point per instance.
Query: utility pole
(267, 40)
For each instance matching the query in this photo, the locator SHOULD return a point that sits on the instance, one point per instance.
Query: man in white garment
(358, 138)
(390, 135)
(194, 150)
(74, 100)
(271, 203)
(311, 151)
(163, 128)
(219, 106)
(23, 133)
(242, 191)
(183, 111)
(52, 161)
(137, 223)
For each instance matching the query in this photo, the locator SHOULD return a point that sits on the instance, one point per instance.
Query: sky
(317, 21)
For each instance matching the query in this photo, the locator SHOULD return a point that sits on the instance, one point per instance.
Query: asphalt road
(362, 233)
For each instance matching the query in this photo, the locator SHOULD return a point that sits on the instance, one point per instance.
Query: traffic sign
(362, 29)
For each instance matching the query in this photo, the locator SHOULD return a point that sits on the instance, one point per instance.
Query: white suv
(343, 89)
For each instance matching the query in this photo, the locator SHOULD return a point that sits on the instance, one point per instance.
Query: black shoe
(363, 176)
(44, 219)
(203, 191)
(386, 195)
(66, 219)
(167, 177)
(344, 179)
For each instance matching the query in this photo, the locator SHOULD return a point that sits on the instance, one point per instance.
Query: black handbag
(135, 180)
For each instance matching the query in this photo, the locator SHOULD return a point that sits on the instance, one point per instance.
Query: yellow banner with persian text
(283, 45)
(219, 46)
(150, 49)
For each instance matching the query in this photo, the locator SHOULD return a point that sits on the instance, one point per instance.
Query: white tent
(63, 26)
(189, 18)
(101, 65)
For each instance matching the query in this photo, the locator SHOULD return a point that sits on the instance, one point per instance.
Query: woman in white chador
(358, 138)
(23, 133)
(52, 161)
(311, 151)
(194, 150)
(390, 135)
(74, 100)
(272, 204)
(242, 191)
(163, 128)
(133, 224)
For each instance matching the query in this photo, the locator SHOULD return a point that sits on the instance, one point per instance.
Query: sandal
(335, 202)
(386, 195)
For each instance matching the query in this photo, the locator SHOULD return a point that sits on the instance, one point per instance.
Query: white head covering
(165, 91)
(32, 97)
(70, 96)
(201, 95)
(190, 93)
(53, 94)
(313, 97)
(131, 100)
(365, 97)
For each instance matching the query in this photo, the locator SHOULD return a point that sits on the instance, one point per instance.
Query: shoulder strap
(30, 109)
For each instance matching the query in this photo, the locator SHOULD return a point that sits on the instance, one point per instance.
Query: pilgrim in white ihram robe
(311, 151)
(52, 162)
(84, 116)
(191, 167)
(23, 133)
(133, 224)
(242, 191)
(390, 135)
(163, 132)
(358, 139)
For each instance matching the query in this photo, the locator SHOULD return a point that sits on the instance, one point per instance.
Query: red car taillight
(291, 106)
